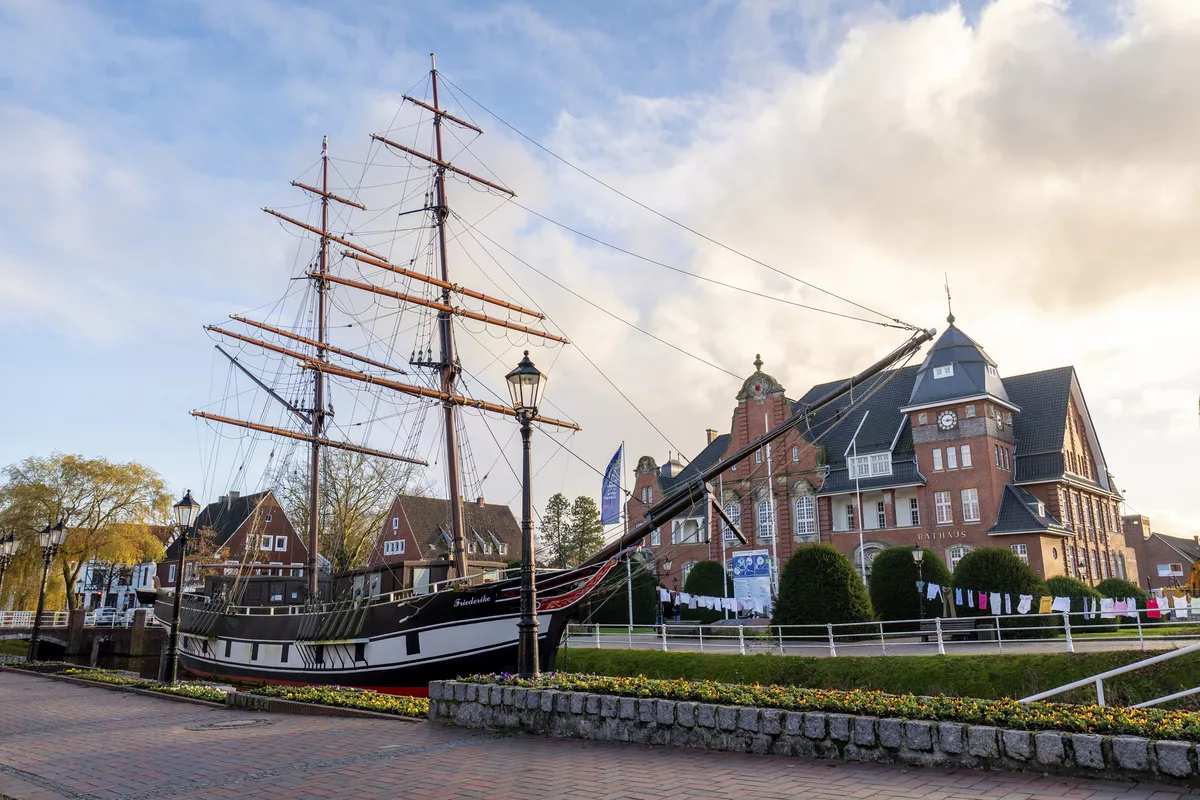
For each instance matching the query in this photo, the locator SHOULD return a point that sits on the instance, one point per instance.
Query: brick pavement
(60, 740)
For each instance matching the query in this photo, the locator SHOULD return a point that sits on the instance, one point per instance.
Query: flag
(610, 492)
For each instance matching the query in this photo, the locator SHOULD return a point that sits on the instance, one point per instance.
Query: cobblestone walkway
(60, 740)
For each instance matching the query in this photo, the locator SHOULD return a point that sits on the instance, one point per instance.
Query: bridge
(75, 636)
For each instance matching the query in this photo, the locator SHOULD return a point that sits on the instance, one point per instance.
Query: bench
(959, 627)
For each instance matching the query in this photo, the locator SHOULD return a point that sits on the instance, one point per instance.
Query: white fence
(1056, 632)
(58, 619)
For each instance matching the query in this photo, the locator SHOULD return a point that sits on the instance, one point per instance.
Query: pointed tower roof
(956, 368)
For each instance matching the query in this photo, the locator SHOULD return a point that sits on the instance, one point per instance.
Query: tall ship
(385, 247)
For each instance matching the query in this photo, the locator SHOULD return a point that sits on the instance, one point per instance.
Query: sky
(1040, 156)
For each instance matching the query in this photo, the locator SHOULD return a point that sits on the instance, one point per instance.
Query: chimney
(223, 499)
(711, 435)
(479, 500)
(233, 496)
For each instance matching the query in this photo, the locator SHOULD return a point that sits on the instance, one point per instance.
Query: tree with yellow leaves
(108, 509)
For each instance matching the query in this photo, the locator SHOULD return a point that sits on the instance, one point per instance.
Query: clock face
(947, 420)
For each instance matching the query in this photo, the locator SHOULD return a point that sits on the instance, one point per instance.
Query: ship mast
(448, 366)
(318, 409)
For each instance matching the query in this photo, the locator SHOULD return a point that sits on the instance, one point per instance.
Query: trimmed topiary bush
(997, 569)
(818, 585)
(1120, 589)
(893, 583)
(705, 578)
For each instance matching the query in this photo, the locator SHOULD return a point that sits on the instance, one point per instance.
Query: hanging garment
(1025, 602)
(958, 601)
(1008, 604)
(983, 601)
(1196, 606)
(1131, 608)
(994, 602)
(731, 604)
(1181, 608)
(691, 601)
(1087, 608)
(932, 590)
(1152, 608)
(759, 608)
(684, 598)
(1045, 604)
(970, 598)
(1061, 604)
(1108, 608)
(663, 595)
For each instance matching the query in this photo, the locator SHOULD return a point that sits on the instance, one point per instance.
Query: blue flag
(610, 493)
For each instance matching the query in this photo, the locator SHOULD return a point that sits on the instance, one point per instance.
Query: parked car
(106, 615)
(127, 617)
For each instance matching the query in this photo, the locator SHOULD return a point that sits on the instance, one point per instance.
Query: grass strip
(1004, 713)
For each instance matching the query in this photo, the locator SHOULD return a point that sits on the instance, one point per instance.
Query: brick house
(251, 533)
(948, 454)
(414, 546)
(1166, 560)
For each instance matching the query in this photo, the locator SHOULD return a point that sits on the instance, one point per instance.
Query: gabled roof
(1044, 398)
(1185, 547)
(1019, 513)
(971, 375)
(429, 519)
(879, 400)
(224, 517)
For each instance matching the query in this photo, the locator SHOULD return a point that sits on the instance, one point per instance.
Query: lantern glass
(58, 534)
(44, 536)
(667, 564)
(917, 553)
(525, 385)
(186, 510)
(7, 545)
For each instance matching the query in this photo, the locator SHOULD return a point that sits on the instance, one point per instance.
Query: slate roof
(429, 519)
(1185, 547)
(835, 425)
(971, 377)
(710, 455)
(1019, 514)
(904, 473)
(224, 517)
(1044, 398)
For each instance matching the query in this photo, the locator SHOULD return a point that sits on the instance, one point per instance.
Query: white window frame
(764, 520)
(848, 516)
(758, 456)
(795, 452)
(171, 573)
(677, 532)
(805, 511)
(970, 504)
(970, 409)
(955, 554)
(937, 459)
(945, 512)
(881, 514)
(881, 463)
(944, 371)
(869, 466)
(280, 543)
(266, 542)
(1173, 570)
(1020, 551)
(647, 495)
(965, 452)
(267, 517)
(395, 523)
(922, 418)
(655, 537)
(393, 547)
(503, 548)
(914, 512)
(733, 510)
(951, 457)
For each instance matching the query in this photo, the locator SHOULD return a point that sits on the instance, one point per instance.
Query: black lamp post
(185, 515)
(525, 385)
(918, 555)
(8, 546)
(51, 540)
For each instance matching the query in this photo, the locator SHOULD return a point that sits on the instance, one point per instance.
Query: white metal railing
(1068, 632)
(1098, 680)
(24, 619)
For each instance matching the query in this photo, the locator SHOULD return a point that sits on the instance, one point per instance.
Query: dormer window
(870, 466)
(647, 495)
(995, 373)
(1041, 509)
(944, 372)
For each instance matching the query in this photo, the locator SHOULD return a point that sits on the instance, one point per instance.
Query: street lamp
(185, 515)
(50, 539)
(525, 385)
(918, 555)
(8, 546)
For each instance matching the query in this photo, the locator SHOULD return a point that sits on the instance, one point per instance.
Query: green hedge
(893, 584)
(818, 585)
(984, 676)
(705, 579)
(1005, 713)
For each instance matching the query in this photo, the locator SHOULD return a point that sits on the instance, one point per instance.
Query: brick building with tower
(948, 454)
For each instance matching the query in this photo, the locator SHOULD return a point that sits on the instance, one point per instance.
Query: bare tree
(356, 494)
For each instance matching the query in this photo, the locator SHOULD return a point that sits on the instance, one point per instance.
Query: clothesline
(1000, 603)
(712, 603)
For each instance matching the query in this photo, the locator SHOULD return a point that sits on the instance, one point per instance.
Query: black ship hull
(395, 644)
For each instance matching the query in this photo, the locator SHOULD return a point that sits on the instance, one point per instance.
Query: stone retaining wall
(814, 734)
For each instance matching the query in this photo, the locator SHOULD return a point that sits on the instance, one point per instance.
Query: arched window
(955, 555)
(805, 511)
(765, 520)
(733, 510)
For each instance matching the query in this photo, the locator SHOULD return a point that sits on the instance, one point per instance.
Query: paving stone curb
(836, 736)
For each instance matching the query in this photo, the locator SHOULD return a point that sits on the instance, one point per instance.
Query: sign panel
(752, 578)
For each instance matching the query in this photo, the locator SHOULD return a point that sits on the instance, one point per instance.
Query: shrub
(819, 585)
(893, 583)
(609, 604)
(1079, 592)
(1120, 589)
(705, 578)
(997, 569)
(1005, 713)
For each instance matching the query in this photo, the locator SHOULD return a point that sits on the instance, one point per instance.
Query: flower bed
(342, 697)
(1004, 713)
(194, 690)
